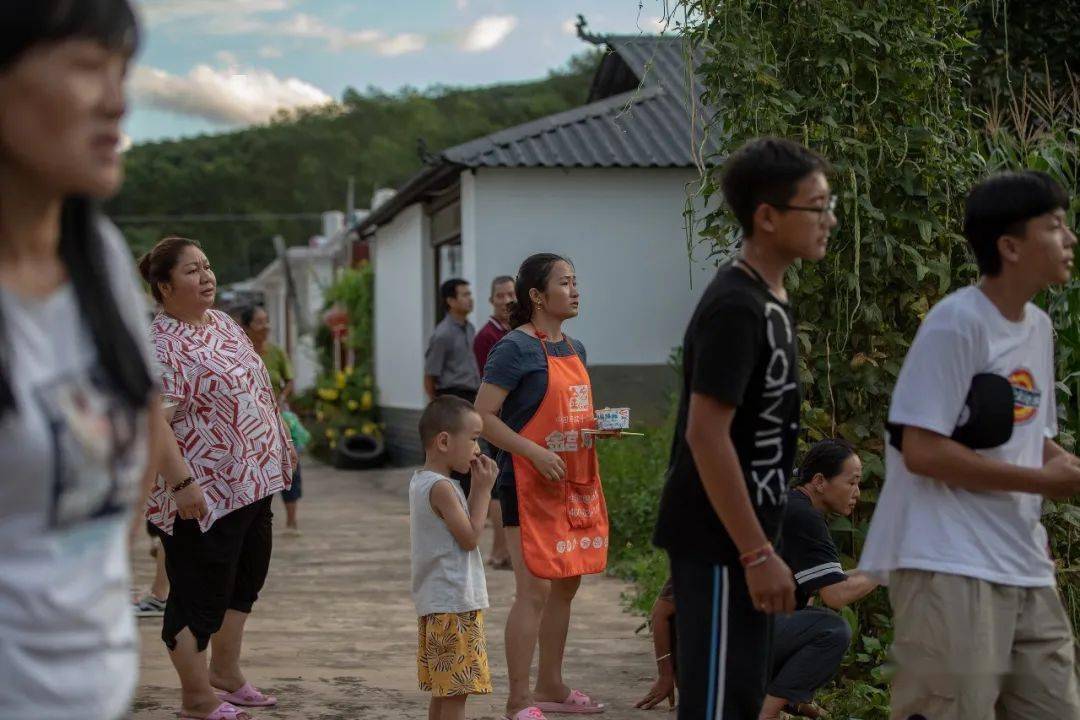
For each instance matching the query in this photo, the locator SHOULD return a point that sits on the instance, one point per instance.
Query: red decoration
(337, 320)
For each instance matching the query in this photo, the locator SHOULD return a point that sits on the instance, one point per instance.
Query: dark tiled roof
(640, 118)
(601, 134)
(643, 111)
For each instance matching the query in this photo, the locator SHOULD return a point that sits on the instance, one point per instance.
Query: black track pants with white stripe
(724, 644)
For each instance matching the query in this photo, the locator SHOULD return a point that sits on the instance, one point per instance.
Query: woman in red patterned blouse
(217, 530)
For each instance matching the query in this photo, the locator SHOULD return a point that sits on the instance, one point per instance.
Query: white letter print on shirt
(766, 469)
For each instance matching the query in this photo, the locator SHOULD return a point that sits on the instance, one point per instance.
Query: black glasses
(829, 207)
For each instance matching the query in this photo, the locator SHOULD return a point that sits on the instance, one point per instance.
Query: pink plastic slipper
(576, 702)
(224, 711)
(248, 696)
(529, 713)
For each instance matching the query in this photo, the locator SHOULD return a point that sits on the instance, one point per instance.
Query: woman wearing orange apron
(536, 401)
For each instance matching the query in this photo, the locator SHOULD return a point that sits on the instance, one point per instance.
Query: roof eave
(412, 191)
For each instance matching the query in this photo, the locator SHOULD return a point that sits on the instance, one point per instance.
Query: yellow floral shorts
(452, 655)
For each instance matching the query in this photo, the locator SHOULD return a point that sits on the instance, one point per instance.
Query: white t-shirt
(923, 524)
(71, 457)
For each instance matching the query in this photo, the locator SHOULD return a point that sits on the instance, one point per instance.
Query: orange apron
(564, 525)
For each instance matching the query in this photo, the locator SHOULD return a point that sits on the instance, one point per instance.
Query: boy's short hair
(1001, 205)
(445, 413)
(766, 170)
(448, 290)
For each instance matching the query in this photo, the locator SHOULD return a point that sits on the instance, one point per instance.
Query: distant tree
(300, 161)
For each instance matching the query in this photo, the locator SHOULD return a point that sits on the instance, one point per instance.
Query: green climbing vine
(899, 96)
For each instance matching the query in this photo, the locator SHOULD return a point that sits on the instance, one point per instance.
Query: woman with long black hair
(77, 404)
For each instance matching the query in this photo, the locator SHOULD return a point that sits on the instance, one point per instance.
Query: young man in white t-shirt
(980, 630)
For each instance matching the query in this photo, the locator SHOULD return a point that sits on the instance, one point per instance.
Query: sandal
(576, 702)
(529, 713)
(248, 696)
(224, 711)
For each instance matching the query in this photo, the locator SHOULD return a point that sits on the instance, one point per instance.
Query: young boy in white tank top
(448, 584)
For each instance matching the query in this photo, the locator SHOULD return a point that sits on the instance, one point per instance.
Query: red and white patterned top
(226, 422)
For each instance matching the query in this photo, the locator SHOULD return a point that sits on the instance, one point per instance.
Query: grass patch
(632, 470)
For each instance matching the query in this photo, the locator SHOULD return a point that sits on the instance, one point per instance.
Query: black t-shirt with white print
(740, 349)
(808, 548)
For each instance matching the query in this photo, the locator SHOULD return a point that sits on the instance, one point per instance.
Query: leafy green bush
(893, 93)
(354, 292)
(879, 90)
(343, 402)
(632, 470)
(344, 406)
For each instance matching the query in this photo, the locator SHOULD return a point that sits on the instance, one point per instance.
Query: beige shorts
(967, 649)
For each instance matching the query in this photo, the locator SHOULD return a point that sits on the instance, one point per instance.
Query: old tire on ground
(359, 452)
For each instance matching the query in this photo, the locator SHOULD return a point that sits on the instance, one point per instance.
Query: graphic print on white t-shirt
(65, 584)
(1026, 395)
(922, 523)
(92, 434)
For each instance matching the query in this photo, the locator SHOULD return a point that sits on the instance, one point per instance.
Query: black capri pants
(212, 572)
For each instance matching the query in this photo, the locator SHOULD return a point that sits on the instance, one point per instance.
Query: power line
(212, 218)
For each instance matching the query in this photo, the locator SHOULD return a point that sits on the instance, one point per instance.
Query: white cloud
(463, 5)
(569, 26)
(401, 44)
(488, 32)
(309, 27)
(159, 12)
(312, 28)
(245, 17)
(229, 96)
(225, 57)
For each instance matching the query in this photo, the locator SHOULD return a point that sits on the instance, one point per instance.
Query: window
(446, 242)
(447, 265)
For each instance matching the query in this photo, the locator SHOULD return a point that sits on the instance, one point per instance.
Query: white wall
(312, 273)
(623, 228)
(402, 256)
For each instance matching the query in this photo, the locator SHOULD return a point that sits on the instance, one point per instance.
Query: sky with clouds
(217, 65)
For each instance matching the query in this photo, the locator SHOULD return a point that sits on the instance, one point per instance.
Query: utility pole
(290, 285)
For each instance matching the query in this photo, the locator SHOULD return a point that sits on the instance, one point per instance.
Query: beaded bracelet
(181, 485)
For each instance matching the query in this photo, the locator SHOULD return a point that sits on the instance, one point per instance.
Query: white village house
(311, 269)
(604, 184)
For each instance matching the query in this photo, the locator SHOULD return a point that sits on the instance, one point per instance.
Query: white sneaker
(149, 606)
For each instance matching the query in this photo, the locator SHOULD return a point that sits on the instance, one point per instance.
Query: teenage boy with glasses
(734, 445)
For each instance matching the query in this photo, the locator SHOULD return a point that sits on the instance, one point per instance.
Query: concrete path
(334, 633)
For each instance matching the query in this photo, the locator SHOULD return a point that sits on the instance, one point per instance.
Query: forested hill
(301, 163)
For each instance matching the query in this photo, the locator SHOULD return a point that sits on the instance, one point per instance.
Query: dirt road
(334, 633)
